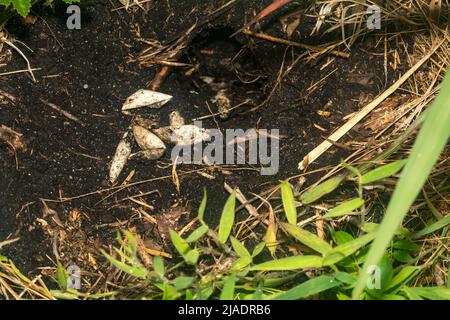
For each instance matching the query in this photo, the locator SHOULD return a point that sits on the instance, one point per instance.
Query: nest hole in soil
(223, 67)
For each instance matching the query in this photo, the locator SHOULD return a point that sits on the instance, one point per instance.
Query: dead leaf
(384, 115)
(12, 138)
(169, 219)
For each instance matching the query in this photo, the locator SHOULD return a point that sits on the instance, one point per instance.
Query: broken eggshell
(152, 146)
(123, 152)
(148, 122)
(146, 98)
(176, 120)
(189, 134)
(152, 154)
(223, 103)
(164, 133)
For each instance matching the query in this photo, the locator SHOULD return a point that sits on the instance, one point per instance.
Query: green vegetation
(429, 144)
(9, 8)
(333, 266)
(212, 264)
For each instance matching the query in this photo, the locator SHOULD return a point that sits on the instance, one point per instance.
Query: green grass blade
(258, 249)
(308, 288)
(182, 283)
(392, 297)
(403, 276)
(201, 209)
(432, 228)
(431, 293)
(308, 239)
(290, 263)
(383, 172)
(345, 208)
(63, 295)
(411, 295)
(317, 192)
(239, 248)
(139, 272)
(241, 263)
(61, 276)
(178, 242)
(429, 144)
(189, 255)
(346, 249)
(406, 245)
(346, 278)
(288, 202)
(197, 234)
(341, 237)
(158, 266)
(192, 257)
(227, 218)
(228, 288)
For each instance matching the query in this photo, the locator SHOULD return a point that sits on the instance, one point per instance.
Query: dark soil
(86, 73)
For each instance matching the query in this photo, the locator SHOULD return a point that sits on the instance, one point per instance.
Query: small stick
(15, 155)
(159, 78)
(277, 4)
(158, 253)
(63, 112)
(7, 242)
(338, 134)
(7, 95)
(126, 7)
(319, 225)
(7, 73)
(175, 179)
(293, 43)
(119, 188)
(241, 198)
(12, 45)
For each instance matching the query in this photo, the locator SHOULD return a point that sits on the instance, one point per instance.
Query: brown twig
(277, 4)
(7, 73)
(159, 78)
(295, 44)
(63, 112)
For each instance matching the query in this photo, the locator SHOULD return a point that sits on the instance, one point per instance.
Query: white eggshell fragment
(119, 160)
(164, 133)
(152, 146)
(153, 154)
(176, 120)
(207, 80)
(189, 134)
(223, 104)
(146, 98)
(148, 122)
